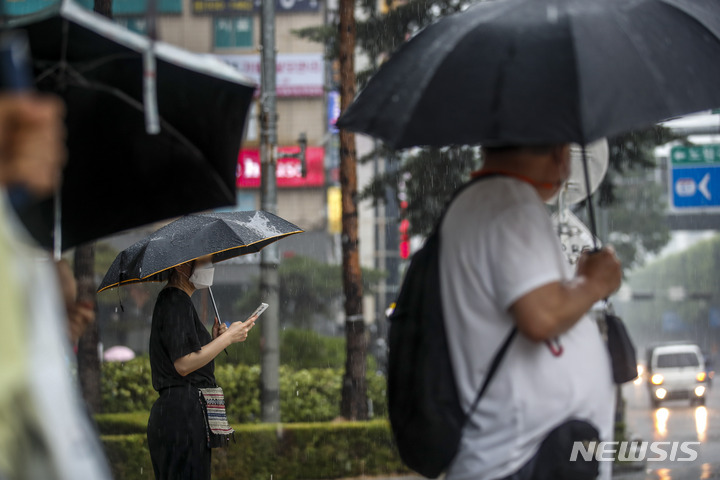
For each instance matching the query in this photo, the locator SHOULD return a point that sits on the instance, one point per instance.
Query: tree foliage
(379, 35)
(309, 291)
(427, 177)
(662, 318)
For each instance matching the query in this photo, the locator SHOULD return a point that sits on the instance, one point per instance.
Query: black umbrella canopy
(118, 176)
(544, 71)
(222, 235)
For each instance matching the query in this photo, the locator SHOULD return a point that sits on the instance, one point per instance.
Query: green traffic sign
(696, 155)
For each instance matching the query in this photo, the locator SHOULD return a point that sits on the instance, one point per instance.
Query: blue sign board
(333, 104)
(695, 179)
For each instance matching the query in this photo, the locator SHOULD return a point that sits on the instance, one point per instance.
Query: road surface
(675, 421)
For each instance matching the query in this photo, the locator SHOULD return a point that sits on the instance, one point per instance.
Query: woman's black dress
(177, 434)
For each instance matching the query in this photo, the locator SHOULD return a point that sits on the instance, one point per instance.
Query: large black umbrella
(544, 71)
(222, 235)
(118, 176)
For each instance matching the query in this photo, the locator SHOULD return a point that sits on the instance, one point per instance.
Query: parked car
(676, 371)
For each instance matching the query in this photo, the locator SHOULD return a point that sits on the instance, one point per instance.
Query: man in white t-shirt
(501, 265)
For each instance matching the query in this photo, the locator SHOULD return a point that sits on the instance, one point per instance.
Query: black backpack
(424, 406)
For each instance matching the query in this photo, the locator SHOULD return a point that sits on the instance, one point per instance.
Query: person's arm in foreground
(552, 309)
(32, 142)
(237, 332)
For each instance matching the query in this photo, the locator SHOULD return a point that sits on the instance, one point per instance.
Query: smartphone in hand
(258, 311)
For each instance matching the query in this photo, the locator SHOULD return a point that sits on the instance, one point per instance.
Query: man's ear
(562, 159)
(561, 153)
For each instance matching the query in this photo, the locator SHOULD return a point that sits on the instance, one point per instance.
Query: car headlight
(656, 379)
(700, 391)
(661, 393)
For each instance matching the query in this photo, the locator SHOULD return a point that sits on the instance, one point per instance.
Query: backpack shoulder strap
(458, 191)
(491, 371)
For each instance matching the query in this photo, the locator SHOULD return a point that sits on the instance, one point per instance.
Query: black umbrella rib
(84, 82)
(85, 67)
(43, 64)
(63, 51)
(703, 22)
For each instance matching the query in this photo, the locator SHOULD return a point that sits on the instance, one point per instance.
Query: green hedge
(264, 451)
(306, 395)
(299, 349)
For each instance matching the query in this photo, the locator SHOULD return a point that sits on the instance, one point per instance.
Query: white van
(676, 372)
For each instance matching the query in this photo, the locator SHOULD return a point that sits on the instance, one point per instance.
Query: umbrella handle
(590, 208)
(217, 314)
(212, 299)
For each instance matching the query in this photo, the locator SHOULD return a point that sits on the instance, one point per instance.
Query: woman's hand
(218, 328)
(238, 331)
(226, 336)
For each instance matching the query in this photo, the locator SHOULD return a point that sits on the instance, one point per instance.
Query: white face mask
(202, 277)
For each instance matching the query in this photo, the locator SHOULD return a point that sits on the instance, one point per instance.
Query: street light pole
(269, 326)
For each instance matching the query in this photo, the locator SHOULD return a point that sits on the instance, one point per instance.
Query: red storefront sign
(289, 172)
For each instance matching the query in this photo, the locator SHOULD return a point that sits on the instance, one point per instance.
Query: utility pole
(353, 405)
(270, 343)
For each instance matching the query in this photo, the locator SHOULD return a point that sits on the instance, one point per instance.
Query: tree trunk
(88, 356)
(354, 390)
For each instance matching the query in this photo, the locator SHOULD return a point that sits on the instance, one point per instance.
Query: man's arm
(552, 309)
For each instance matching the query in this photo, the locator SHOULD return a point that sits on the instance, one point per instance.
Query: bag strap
(501, 352)
(458, 191)
(491, 372)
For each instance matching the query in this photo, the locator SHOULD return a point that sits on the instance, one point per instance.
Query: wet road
(675, 421)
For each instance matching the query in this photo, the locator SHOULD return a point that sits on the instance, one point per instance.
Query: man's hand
(602, 269)
(32, 142)
(552, 309)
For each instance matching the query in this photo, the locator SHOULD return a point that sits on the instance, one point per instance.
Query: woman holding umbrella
(182, 354)
(180, 433)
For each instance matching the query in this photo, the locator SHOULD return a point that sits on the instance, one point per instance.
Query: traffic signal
(404, 239)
